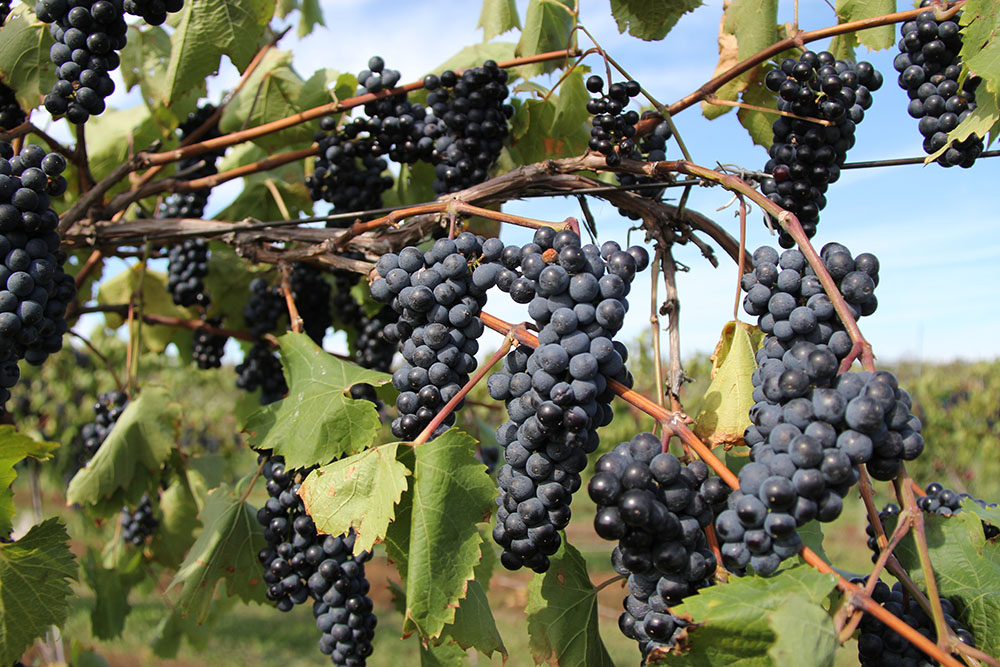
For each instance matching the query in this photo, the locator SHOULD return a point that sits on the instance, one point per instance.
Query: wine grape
(11, 113)
(930, 69)
(806, 156)
(192, 204)
(186, 270)
(613, 128)
(139, 524)
(153, 12)
(208, 347)
(311, 293)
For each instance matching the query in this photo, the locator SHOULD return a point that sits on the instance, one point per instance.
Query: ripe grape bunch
(260, 368)
(192, 204)
(438, 302)
(311, 293)
(299, 563)
(880, 646)
(11, 113)
(556, 395)
(650, 148)
(347, 172)
(939, 500)
(656, 508)
(88, 35)
(811, 428)
(806, 156)
(208, 347)
(36, 289)
(186, 270)
(139, 524)
(929, 69)
(371, 349)
(153, 12)
(612, 126)
(108, 408)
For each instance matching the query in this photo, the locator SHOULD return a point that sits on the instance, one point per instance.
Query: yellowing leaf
(726, 405)
(747, 26)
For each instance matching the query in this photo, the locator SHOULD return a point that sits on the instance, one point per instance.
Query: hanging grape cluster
(139, 524)
(811, 427)
(261, 369)
(880, 646)
(299, 563)
(88, 36)
(613, 127)
(11, 113)
(208, 347)
(558, 394)
(311, 293)
(656, 509)
(929, 69)
(192, 204)
(806, 156)
(186, 270)
(651, 147)
(437, 302)
(107, 409)
(153, 12)
(36, 289)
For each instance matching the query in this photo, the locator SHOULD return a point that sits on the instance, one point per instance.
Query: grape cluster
(650, 148)
(153, 12)
(880, 646)
(187, 267)
(371, 349)
(613, 128)
(811, 428)
(656, 509)
(806, 156)
(108, 408)
(311, 293)
(11, 113)
(557, 395)
(261, 369)
(36, 289)
(299, 563)
(468, 126)
(139, 524)
(88, 34)
(264, 308)
(438, 304)
(208, 347)
(347, 172)
(939, 500)
(192, 204)
(929, 69)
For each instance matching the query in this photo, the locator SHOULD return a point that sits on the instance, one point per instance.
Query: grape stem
(676, 423)
(449, 407)
(86, 181)
(294, 319)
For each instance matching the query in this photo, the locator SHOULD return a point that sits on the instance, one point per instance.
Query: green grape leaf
(14, 447)
(257, 201)
(474, 625)
(318, 421)
(156, 300)
(535, 143)
(272, 92)
(34, 590)
(562, 613)
(324, 86)
(812, 536)
(747, 26)
(128, 463)
(311, 15)
(725, 407)
(650, 20)
(570, 122)
(497, 17)
(881, 37)
(357, 492)
(413, 185)
(175, 627)
(111, 588)
(114, 135)
(178, 523)
(745, 621)
(548, 26)
(967, 568)
(442, 655)
(205, 30)
(25, 65)
(226, 549)
(980, 44)
(144, 62)
(434, 541)
(758, 123)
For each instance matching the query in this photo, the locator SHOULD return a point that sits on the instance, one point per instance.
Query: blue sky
(934, 230)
